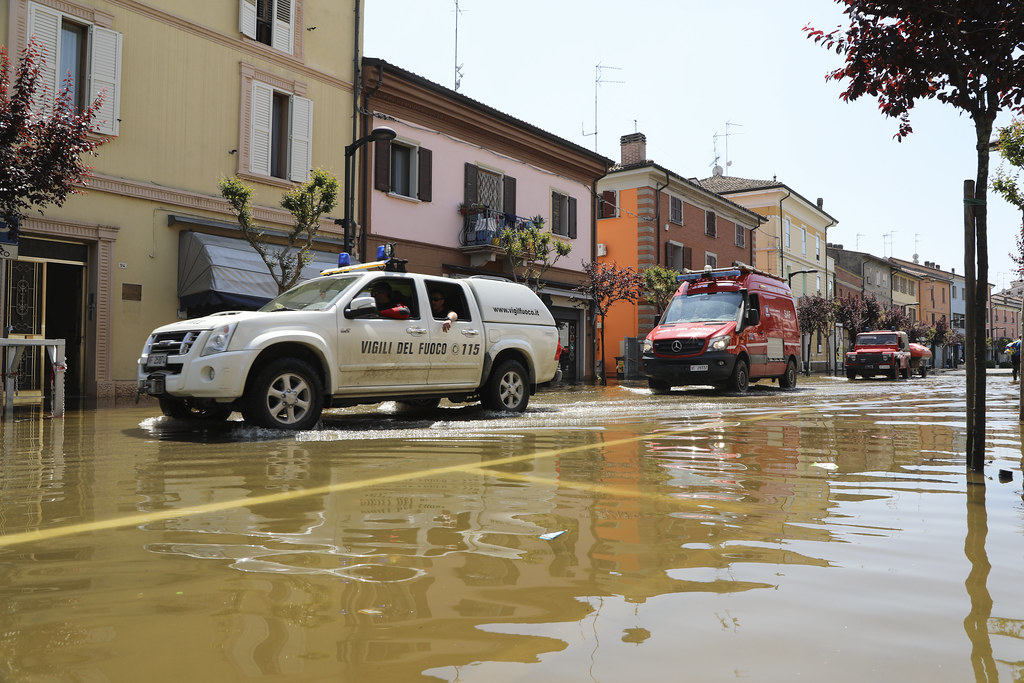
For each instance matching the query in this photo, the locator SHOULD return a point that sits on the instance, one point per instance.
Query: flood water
(830, 533)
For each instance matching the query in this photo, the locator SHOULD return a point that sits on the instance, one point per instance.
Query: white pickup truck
(325, 343)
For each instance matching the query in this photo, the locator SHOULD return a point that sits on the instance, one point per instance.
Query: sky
(735, 81)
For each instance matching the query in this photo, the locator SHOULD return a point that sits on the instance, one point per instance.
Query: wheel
(659, 386)
(894, 373)
(851, 375)
(285, 394)
(740, 380)
(923, 370)
(182, 409)
(507, 388)
(788, 381)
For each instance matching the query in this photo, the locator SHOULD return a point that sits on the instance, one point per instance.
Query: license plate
(157, 360)
(698, 368)
(884, 367)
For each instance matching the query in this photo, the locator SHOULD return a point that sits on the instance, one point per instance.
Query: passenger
(438, 310)
(387, 306)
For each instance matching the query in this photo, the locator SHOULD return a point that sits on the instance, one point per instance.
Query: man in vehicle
(387, 305)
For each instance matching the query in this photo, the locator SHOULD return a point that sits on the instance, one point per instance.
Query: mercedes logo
(677, 346)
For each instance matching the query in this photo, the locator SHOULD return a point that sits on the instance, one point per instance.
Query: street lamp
(379, 133)
(807, 360)
(797, 272)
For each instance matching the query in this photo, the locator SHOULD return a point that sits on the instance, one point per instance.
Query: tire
(923, 371)
(508, 388)
(851, 375)
(659, 386)
(894, 373)
(788, 380)
(285, 394)
(739, 382)
(182, 409)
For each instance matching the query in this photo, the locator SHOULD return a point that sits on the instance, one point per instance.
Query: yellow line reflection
(482, 467)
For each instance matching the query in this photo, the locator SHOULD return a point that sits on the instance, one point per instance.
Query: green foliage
(307, 203)
(530, 251)
(660, 285)
(1005, 184)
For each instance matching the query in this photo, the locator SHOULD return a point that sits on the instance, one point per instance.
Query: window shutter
(283, 31)
(740, 241)
(247, 18)
(572, 218)
(687, 258)
(301, 146)
(105, 77)
(556, 213)
(472, 176)
(608, 204)
(382, 165)
(426, 179)
(710, 226)
(262, 120)
(509, 195)
(44, 24)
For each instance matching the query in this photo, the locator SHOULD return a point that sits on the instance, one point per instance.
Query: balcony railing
(483, 226)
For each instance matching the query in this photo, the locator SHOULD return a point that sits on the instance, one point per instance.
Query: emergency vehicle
(329, 343)
(725, 327)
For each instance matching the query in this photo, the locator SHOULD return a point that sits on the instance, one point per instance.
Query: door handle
(416, 331)
(470, 333)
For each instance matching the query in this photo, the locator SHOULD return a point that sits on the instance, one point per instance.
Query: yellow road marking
(486, 467)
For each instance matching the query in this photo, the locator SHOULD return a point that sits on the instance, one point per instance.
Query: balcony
(481, 232)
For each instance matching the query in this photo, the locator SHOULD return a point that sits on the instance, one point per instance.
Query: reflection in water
(697, 530)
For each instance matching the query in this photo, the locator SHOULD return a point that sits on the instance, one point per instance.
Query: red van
(725, 327)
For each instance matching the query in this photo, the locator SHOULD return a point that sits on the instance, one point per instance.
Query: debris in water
(826, 465)
(551, 534)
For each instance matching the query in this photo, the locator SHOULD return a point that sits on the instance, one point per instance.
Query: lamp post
(379, 133)
(797, 272)
(789, 282)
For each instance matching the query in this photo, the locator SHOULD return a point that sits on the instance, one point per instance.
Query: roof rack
(385, 261)
(732, 271)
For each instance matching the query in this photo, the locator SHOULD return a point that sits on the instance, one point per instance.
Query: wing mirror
(362, 306)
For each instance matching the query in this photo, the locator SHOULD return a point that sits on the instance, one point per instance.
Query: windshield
(314, 295)
(716, 307)
(876, 340)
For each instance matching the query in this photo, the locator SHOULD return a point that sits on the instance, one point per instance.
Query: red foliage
(40, 146)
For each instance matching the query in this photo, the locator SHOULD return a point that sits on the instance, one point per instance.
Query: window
(710, 259)
(677, 256)
(91, 54)
(489, 188)
(952, 292)
(675, 210)
(803, 240)
(403, 169)
(609, 205)
(817, 247)
(741, 236)
(786, 232)
(710, 224)
(563, 215)
(269, 22)
(819, 284)
(280, 133)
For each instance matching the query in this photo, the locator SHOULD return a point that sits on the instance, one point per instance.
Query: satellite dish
(717, 170)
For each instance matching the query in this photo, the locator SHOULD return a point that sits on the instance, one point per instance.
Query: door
(456, 355)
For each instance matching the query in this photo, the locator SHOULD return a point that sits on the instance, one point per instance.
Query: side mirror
(753, 317)
(362, 306)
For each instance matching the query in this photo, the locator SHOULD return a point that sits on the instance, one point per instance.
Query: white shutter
(44, 24)
(247, 18)
(301, 143)
(262, 125)
(283, 30)
(105, 77)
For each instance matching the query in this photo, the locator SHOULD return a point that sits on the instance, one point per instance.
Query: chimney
(821, 203)
(634, 148)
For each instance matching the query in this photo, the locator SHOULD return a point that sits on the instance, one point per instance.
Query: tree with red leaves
(606, 284)
(968, 55)
(41, 147)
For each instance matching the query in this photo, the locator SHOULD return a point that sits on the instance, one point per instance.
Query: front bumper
(709, 368)
(217, 376)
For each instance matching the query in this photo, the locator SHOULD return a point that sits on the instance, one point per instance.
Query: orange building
(651, 216)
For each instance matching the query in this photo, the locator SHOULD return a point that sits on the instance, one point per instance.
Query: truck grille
(678, 347)
(174, 343)
(871, 358)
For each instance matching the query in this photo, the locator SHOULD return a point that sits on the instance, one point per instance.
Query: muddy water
(607, 535)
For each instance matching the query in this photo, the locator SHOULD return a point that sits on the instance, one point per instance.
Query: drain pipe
(657, 218)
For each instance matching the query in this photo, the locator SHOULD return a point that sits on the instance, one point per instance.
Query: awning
(222, 271)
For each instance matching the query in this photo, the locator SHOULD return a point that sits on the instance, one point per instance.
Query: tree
(894, 318)
(965, 54)
(857, 314)
(606, 284)
(816, 314)
(306, 203)
(660, 285)
(530, 251)
(1011, 149)
(40, 149)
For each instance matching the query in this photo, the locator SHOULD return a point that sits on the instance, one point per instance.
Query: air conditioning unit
(602, 249)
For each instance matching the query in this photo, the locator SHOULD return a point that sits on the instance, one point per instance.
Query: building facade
(191, 96)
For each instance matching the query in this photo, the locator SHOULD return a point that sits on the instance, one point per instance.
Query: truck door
(385, 353)
(756, 338)
(456, 355)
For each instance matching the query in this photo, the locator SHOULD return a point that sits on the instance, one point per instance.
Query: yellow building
(195, 92)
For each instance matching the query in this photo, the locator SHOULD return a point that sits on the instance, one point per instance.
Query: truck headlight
(719, 343)
(648, 346)
(218, 340)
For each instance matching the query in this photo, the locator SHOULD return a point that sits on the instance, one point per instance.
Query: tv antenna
(598, 80)
(887, 237)
(726, 135)
(859, 235)
(458, 67)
